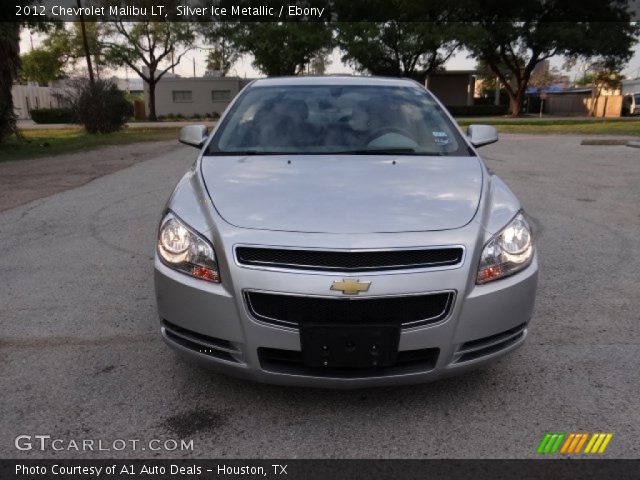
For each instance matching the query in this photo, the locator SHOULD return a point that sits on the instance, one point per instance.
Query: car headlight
(182, 249)
(508, 252)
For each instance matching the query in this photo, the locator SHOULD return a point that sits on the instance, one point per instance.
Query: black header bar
(30, 11)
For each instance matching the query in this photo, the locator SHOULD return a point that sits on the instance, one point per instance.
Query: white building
(28, 97)
(198, 95)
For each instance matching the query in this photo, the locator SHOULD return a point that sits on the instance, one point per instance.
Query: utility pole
(85, 43)
(194, 67)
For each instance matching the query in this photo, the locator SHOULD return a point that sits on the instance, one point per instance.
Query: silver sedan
(342, 232)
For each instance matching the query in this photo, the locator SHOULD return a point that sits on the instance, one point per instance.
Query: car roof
(335, 80)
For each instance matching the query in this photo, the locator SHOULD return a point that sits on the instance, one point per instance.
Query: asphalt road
(81, 357)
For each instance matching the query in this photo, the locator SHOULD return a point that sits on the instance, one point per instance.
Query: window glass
(182, 96)
(337, 119)
(220, 95)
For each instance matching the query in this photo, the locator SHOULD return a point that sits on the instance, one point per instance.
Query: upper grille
(407, 311)
(345, 261)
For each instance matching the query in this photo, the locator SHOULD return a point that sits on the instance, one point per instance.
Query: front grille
(290, 362)
(344, 261)
(406, 311)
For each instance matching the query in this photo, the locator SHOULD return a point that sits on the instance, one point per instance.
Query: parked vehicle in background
(631, 104)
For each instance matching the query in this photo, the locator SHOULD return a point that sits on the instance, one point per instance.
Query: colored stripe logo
(573, 443)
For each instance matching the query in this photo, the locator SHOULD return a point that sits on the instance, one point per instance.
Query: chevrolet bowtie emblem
(350, 286)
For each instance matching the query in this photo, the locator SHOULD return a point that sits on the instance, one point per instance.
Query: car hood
(344, 193)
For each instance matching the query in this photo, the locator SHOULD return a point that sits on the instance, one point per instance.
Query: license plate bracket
(349, 346)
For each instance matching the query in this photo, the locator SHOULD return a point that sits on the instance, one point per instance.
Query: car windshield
(334, 119)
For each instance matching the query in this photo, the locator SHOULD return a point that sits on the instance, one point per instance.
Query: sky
(243, 67)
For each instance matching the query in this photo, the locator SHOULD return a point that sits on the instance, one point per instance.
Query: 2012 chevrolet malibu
(342, 232)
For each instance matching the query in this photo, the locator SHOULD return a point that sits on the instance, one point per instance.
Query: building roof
(572, 91)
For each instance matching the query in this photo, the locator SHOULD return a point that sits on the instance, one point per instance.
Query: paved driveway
(80, 354)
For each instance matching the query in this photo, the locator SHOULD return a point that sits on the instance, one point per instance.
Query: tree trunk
(516, 99)
(514, 105)
(152, 102)
(85, 45)
(10, 55)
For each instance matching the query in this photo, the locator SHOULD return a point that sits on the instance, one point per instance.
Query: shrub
(215, 115)
(52, 115)
(477, 110)
(100, 107)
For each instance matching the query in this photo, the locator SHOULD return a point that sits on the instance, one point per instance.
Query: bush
(477, 110)
(52, 115)
(100, 107)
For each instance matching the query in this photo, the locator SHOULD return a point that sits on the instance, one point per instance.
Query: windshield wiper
(386, 151)
(245, 152)
(362, 151)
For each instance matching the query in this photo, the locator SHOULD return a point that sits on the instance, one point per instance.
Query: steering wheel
(378, 132)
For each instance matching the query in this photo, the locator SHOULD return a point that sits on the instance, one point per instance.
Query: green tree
(319, 63)
(283, 48)
(399, 49)
(149, 48)
(546, 76)
(223, 53)
(398, 38)
(511, 38)
(42, 65)
(10, 63)
(62, 51)
(10, 54)
(601, 75)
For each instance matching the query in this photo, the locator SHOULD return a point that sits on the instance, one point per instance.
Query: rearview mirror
(194, 135)
(482, 135)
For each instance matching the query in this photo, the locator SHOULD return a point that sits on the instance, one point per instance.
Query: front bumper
(211, 324)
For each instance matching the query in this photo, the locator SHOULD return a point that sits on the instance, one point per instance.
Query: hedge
(477, 110)
(52, 115)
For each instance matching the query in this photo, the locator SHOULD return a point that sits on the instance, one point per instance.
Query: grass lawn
(579, 126)
(43, 142)
(39, 143)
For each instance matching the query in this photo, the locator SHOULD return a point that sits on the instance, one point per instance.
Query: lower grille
(290, 362)
(349, 261)
(406, 311)
(210, 346)
(491, 344)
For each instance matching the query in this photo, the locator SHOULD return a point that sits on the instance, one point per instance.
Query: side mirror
(482, 135)
(194, 135)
